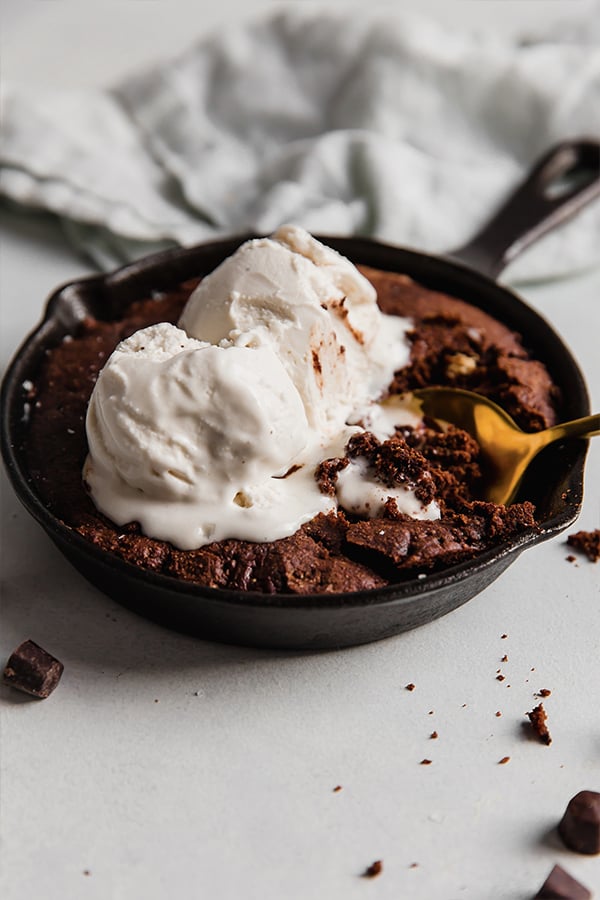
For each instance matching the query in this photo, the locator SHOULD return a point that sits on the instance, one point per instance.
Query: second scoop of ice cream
(315, 310)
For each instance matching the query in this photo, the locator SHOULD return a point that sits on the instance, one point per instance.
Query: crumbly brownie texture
(539, 719)
(587, 542)
(452, 343)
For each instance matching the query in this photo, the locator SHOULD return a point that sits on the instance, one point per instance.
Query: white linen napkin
(385, 125)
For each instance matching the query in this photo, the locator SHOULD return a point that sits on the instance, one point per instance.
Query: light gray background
(168, 766)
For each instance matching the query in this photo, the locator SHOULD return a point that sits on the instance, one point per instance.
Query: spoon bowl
(507, 450)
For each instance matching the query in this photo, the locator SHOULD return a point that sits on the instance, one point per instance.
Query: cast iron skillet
(560, 184)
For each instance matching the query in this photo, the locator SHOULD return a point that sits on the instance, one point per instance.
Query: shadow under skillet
(45, 599)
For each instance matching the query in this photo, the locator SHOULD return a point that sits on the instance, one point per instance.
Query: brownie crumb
(500, 677)
(425, 762)
(498, 714)
(544, 692)
(327, 472)
(570, 558)
(414, 866)
(337, 789)
(375, 869)
(410, 687)
(504, 760)
(434, 735)
(503, 637)
(586, 542)
(538, 719)
(504, 658)
(295, 468)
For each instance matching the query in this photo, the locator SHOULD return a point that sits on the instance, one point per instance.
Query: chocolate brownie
(587, 542)
(452, 342)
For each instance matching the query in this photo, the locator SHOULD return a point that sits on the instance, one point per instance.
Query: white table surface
(168, 766)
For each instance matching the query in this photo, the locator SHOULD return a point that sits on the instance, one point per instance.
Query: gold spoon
(505, 447)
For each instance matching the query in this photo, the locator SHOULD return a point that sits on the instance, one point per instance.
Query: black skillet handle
(564, 181)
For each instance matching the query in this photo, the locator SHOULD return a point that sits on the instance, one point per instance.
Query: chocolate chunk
(559, 885)
(580, 826)
(32, 670)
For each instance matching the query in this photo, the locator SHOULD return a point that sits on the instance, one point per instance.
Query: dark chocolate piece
(32, 670)
(580, 826)
(559, 885)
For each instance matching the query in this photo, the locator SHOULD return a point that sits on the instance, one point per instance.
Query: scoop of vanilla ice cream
(187, 438)
(315, 310)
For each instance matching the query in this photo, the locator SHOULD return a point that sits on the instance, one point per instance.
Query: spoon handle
(587, 427)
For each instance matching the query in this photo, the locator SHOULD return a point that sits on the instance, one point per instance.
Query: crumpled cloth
(383, 125)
